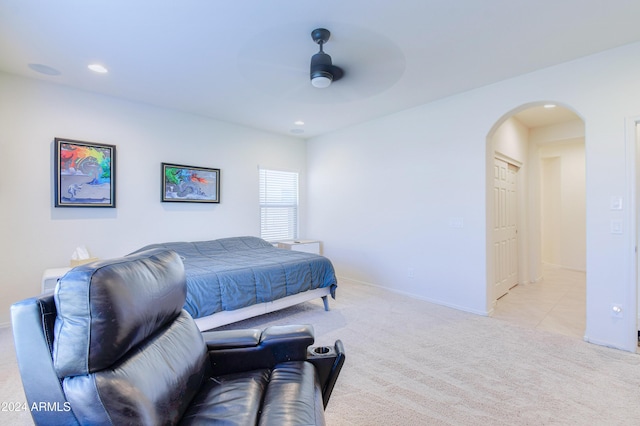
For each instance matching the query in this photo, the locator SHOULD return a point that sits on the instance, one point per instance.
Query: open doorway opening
(545, 266)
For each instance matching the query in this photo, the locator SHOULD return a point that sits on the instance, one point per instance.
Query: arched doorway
(536, 223)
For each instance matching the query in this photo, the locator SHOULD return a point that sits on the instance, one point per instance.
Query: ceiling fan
(322, 71)
(280, 71)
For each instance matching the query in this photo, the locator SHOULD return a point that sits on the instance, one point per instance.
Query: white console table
(50, 278)
(307, 246)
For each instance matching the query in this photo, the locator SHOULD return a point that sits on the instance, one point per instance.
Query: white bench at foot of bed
(227, 317)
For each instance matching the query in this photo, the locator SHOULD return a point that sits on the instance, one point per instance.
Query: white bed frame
(227, 317)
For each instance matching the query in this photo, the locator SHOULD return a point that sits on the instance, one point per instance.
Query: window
(278, 205)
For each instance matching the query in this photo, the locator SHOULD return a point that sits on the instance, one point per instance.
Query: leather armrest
(328, 362)
(302, 333)
(228, 339)
(276, 344)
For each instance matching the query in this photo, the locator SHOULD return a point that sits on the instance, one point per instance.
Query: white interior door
(505, 233)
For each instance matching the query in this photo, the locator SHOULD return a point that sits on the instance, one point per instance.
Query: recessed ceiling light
(44, 69)
(98, 68)
(299, 123)
(550, 106)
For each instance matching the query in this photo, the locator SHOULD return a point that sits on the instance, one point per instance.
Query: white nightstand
(50, 278)
(307, 246)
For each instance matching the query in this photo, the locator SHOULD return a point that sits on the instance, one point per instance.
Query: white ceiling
(540, 116)
(247, 61)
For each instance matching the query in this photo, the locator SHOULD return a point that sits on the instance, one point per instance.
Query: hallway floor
(556, 304)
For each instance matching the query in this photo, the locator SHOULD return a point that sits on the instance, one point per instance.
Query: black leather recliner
(115, 347)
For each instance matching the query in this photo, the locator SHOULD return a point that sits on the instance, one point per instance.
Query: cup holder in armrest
(321, 350)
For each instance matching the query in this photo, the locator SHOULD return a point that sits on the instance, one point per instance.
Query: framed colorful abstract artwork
(190, 184)
(85, 174)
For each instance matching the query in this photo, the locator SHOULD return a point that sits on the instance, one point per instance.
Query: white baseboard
(418, 297)
(607, 344)
(568, 268)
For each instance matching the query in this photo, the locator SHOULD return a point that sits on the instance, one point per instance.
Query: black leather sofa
(115, 347)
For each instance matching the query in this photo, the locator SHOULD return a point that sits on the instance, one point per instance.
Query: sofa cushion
(293, 397)
(289, 394)
(107, 307)
(233, 399)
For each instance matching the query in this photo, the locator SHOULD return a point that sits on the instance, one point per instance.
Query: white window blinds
(278, 205)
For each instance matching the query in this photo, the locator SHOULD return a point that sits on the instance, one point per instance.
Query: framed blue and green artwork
(190, 184)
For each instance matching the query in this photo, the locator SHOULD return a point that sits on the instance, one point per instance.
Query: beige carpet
(410, 362)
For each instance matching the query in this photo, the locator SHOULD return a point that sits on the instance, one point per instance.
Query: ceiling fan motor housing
(321, 66)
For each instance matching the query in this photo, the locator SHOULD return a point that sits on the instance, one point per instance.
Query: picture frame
(190, 184)
(85, 174)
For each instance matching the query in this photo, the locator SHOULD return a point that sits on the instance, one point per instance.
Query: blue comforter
(232, 273)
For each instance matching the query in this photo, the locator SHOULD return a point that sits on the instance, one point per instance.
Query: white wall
(563, 204)
(382, 195)
(512, 140)
(551, 208)
(34, 235)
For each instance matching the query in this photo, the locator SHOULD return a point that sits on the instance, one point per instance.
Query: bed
(232, 279)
